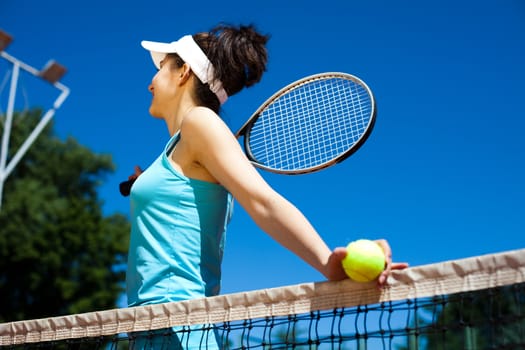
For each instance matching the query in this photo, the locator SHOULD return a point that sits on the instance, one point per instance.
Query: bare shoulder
(202, 129)
(202, 121)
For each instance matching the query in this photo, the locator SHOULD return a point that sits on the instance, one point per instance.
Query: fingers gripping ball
(364, 261)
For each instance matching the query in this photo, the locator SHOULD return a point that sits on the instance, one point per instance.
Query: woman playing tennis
(181, 204)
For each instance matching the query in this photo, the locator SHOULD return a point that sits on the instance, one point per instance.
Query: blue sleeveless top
(178, 228)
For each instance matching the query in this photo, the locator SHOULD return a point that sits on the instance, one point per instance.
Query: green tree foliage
(58, 253)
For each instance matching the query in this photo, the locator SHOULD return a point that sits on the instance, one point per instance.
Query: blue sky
(442, 176)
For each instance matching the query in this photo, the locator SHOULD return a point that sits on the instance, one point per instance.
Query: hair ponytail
(238, 55)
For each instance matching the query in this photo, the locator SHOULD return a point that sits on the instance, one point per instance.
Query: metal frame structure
(52, 73)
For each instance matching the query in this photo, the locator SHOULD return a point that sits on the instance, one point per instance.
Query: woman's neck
(174, 121)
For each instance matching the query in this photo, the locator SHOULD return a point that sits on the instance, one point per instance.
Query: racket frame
(244, 130)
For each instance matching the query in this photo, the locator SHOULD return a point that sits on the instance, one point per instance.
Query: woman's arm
(214, 147)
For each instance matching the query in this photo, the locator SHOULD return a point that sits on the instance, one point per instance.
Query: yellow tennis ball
(364, 261)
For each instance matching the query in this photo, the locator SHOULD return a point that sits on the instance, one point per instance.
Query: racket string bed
(311, 124)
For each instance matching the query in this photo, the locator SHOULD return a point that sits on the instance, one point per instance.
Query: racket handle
(125, 187)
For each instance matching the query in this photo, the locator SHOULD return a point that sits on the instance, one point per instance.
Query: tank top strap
(170, 146)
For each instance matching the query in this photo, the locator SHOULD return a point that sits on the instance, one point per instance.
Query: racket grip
(125, 187)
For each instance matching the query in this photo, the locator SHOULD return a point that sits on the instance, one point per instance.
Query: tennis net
(471, 303)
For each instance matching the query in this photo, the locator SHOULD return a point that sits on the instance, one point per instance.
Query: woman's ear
(185, 73)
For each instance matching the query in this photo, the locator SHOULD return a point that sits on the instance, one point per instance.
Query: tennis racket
(309, 125)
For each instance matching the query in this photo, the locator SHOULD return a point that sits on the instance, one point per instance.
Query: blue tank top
(178, 228)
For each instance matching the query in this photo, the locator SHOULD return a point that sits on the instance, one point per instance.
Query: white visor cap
(193, 55)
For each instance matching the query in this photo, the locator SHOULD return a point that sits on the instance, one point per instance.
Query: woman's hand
(125, 187)
(337, 273)
(389, 265)
(137, 172)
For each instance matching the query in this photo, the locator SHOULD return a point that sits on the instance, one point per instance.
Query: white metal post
(50, 74)
(7, 127)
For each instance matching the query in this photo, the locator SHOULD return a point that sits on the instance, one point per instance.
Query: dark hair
(239, 56)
